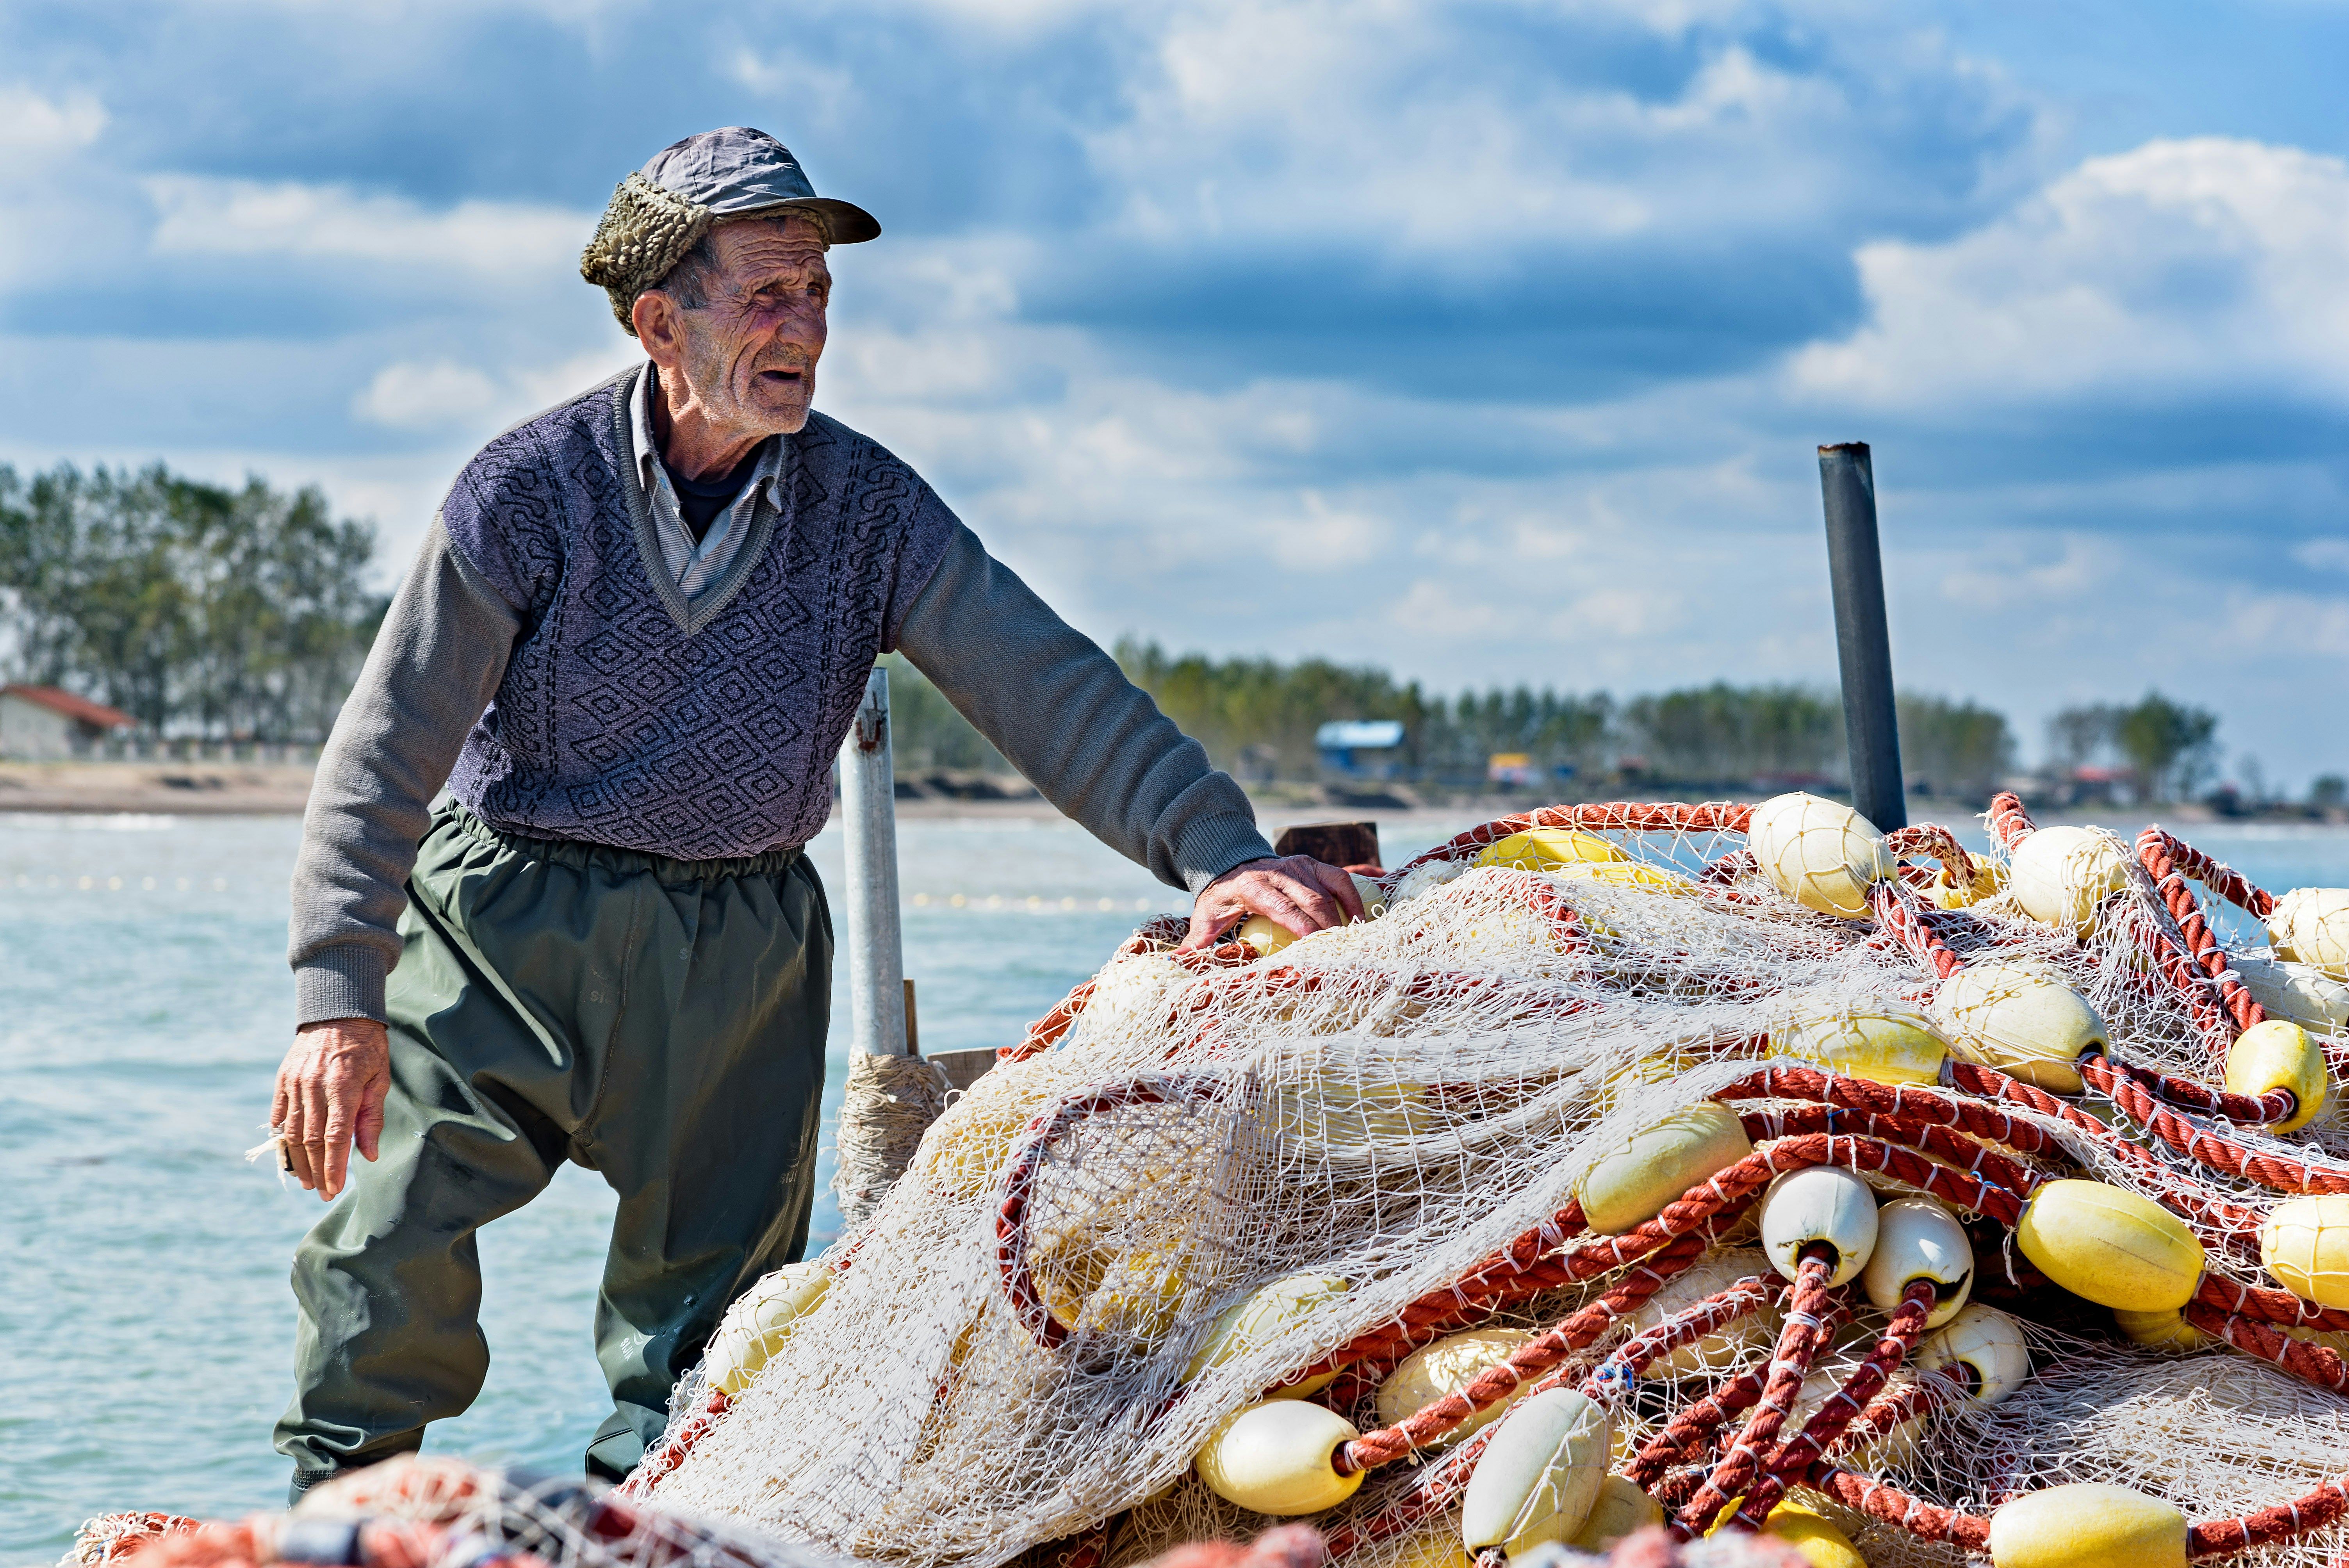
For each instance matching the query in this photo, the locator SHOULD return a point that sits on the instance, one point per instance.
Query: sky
(1489, 342)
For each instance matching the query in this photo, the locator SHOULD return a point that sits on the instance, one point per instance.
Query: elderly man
(635, 635)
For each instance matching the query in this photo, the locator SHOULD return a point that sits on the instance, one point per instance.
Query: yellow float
(1987, 1345)
(1821, 1542)
(2300, 992)
(1547, 849)
(1619, 1510)
(1882, 1047)
(1445, 1367)
(2110, 1246)
(1275, 1458)
(758, 1322)
(2310, 926)
(1823, 855)
(2304, 1243)
(2088, 1525)
(2159, 1330)
(1724, 1348)
(2014, 1015)
(2062, 876)
(1631, 1183)
(1539, 1475)
(1624, 874)
(1820, 1206)
(1271, 1311)
(2279, 1055)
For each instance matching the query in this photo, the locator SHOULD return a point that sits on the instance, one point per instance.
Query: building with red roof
(42, 724)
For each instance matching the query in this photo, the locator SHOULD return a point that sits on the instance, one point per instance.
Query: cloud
(204, 216)
(440, 395)
(2180, 270)
(33, 125)
(426, 396)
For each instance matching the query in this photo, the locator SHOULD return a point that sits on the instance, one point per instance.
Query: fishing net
(1562, 1197)
(1209, 1178)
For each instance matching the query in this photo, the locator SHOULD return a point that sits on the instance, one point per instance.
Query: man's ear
(654, 317)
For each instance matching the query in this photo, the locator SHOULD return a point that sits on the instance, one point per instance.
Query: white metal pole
(868, 809)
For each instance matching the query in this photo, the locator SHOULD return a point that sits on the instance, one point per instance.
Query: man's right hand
(330, 1093)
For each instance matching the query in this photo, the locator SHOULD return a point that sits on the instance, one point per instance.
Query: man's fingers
(289, 1133)
(1289, 914)
(1341, 888)
(315, 1111)
(342, 1121)
(1308, 898)
(370, 1130)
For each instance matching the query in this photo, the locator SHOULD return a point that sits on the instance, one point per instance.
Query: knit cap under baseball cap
(661, 211)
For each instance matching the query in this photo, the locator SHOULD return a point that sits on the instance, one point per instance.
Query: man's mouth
(788, 377)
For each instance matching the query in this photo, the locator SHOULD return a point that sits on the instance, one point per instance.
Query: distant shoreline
(264, 789)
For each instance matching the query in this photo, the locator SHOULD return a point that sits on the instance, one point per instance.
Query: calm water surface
(145, 1322)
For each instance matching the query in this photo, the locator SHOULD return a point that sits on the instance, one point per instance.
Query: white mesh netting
(1392, 1123)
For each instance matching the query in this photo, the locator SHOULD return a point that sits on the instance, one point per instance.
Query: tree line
(243, 614)
(196, 609)
(1257, 719)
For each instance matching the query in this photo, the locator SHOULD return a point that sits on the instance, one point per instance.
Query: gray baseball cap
(738, 172)
(660, 212)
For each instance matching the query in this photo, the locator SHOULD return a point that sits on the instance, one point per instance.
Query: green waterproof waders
(659, 1021)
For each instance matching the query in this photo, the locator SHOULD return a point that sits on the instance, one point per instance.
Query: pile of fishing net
(445, 1514)
(1637, 1177)
(1632, 1163)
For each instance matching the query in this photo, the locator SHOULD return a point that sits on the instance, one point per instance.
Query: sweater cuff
(1213, 845)
(346, 981)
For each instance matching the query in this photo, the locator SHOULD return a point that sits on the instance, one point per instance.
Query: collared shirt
(696, 564)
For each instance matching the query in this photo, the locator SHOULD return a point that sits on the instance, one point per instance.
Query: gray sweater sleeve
(1063, 714)
(435, 665)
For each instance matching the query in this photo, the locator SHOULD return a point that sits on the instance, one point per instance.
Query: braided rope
(1019, 1182)
(2009, 824)
(2262, 1304)
(1787, 1121)
(1527, 1364)
(2169, 861)
(2132, 1088)
(674, 1449)
(1687, 1433)
(1796, 1456)
(1527, 1266)
(1897, 913)
(1917, 1517)
(2208, 1149)
(1910, 1101)
(1933, 840)
(1790, 1362)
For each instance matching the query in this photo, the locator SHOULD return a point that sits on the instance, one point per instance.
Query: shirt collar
(654, 476)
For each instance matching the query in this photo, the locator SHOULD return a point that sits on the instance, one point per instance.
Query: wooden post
(1337, 843)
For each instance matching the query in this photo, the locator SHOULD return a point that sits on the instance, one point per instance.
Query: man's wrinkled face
(749, 353)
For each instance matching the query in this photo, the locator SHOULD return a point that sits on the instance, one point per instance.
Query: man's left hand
(1296, 893)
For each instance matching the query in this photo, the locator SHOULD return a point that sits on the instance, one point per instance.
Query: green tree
(1956, 747)
(1726, 734)
(2076, 735)
(2171, 748)
(194, 608)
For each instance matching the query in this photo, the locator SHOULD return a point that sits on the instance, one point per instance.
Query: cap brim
(844, 222)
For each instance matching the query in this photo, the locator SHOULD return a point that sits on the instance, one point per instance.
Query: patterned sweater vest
(625, 717)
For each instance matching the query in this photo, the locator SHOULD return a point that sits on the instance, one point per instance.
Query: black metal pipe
(1871, 724)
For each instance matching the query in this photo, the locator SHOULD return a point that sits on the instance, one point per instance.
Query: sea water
(146, 1326)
